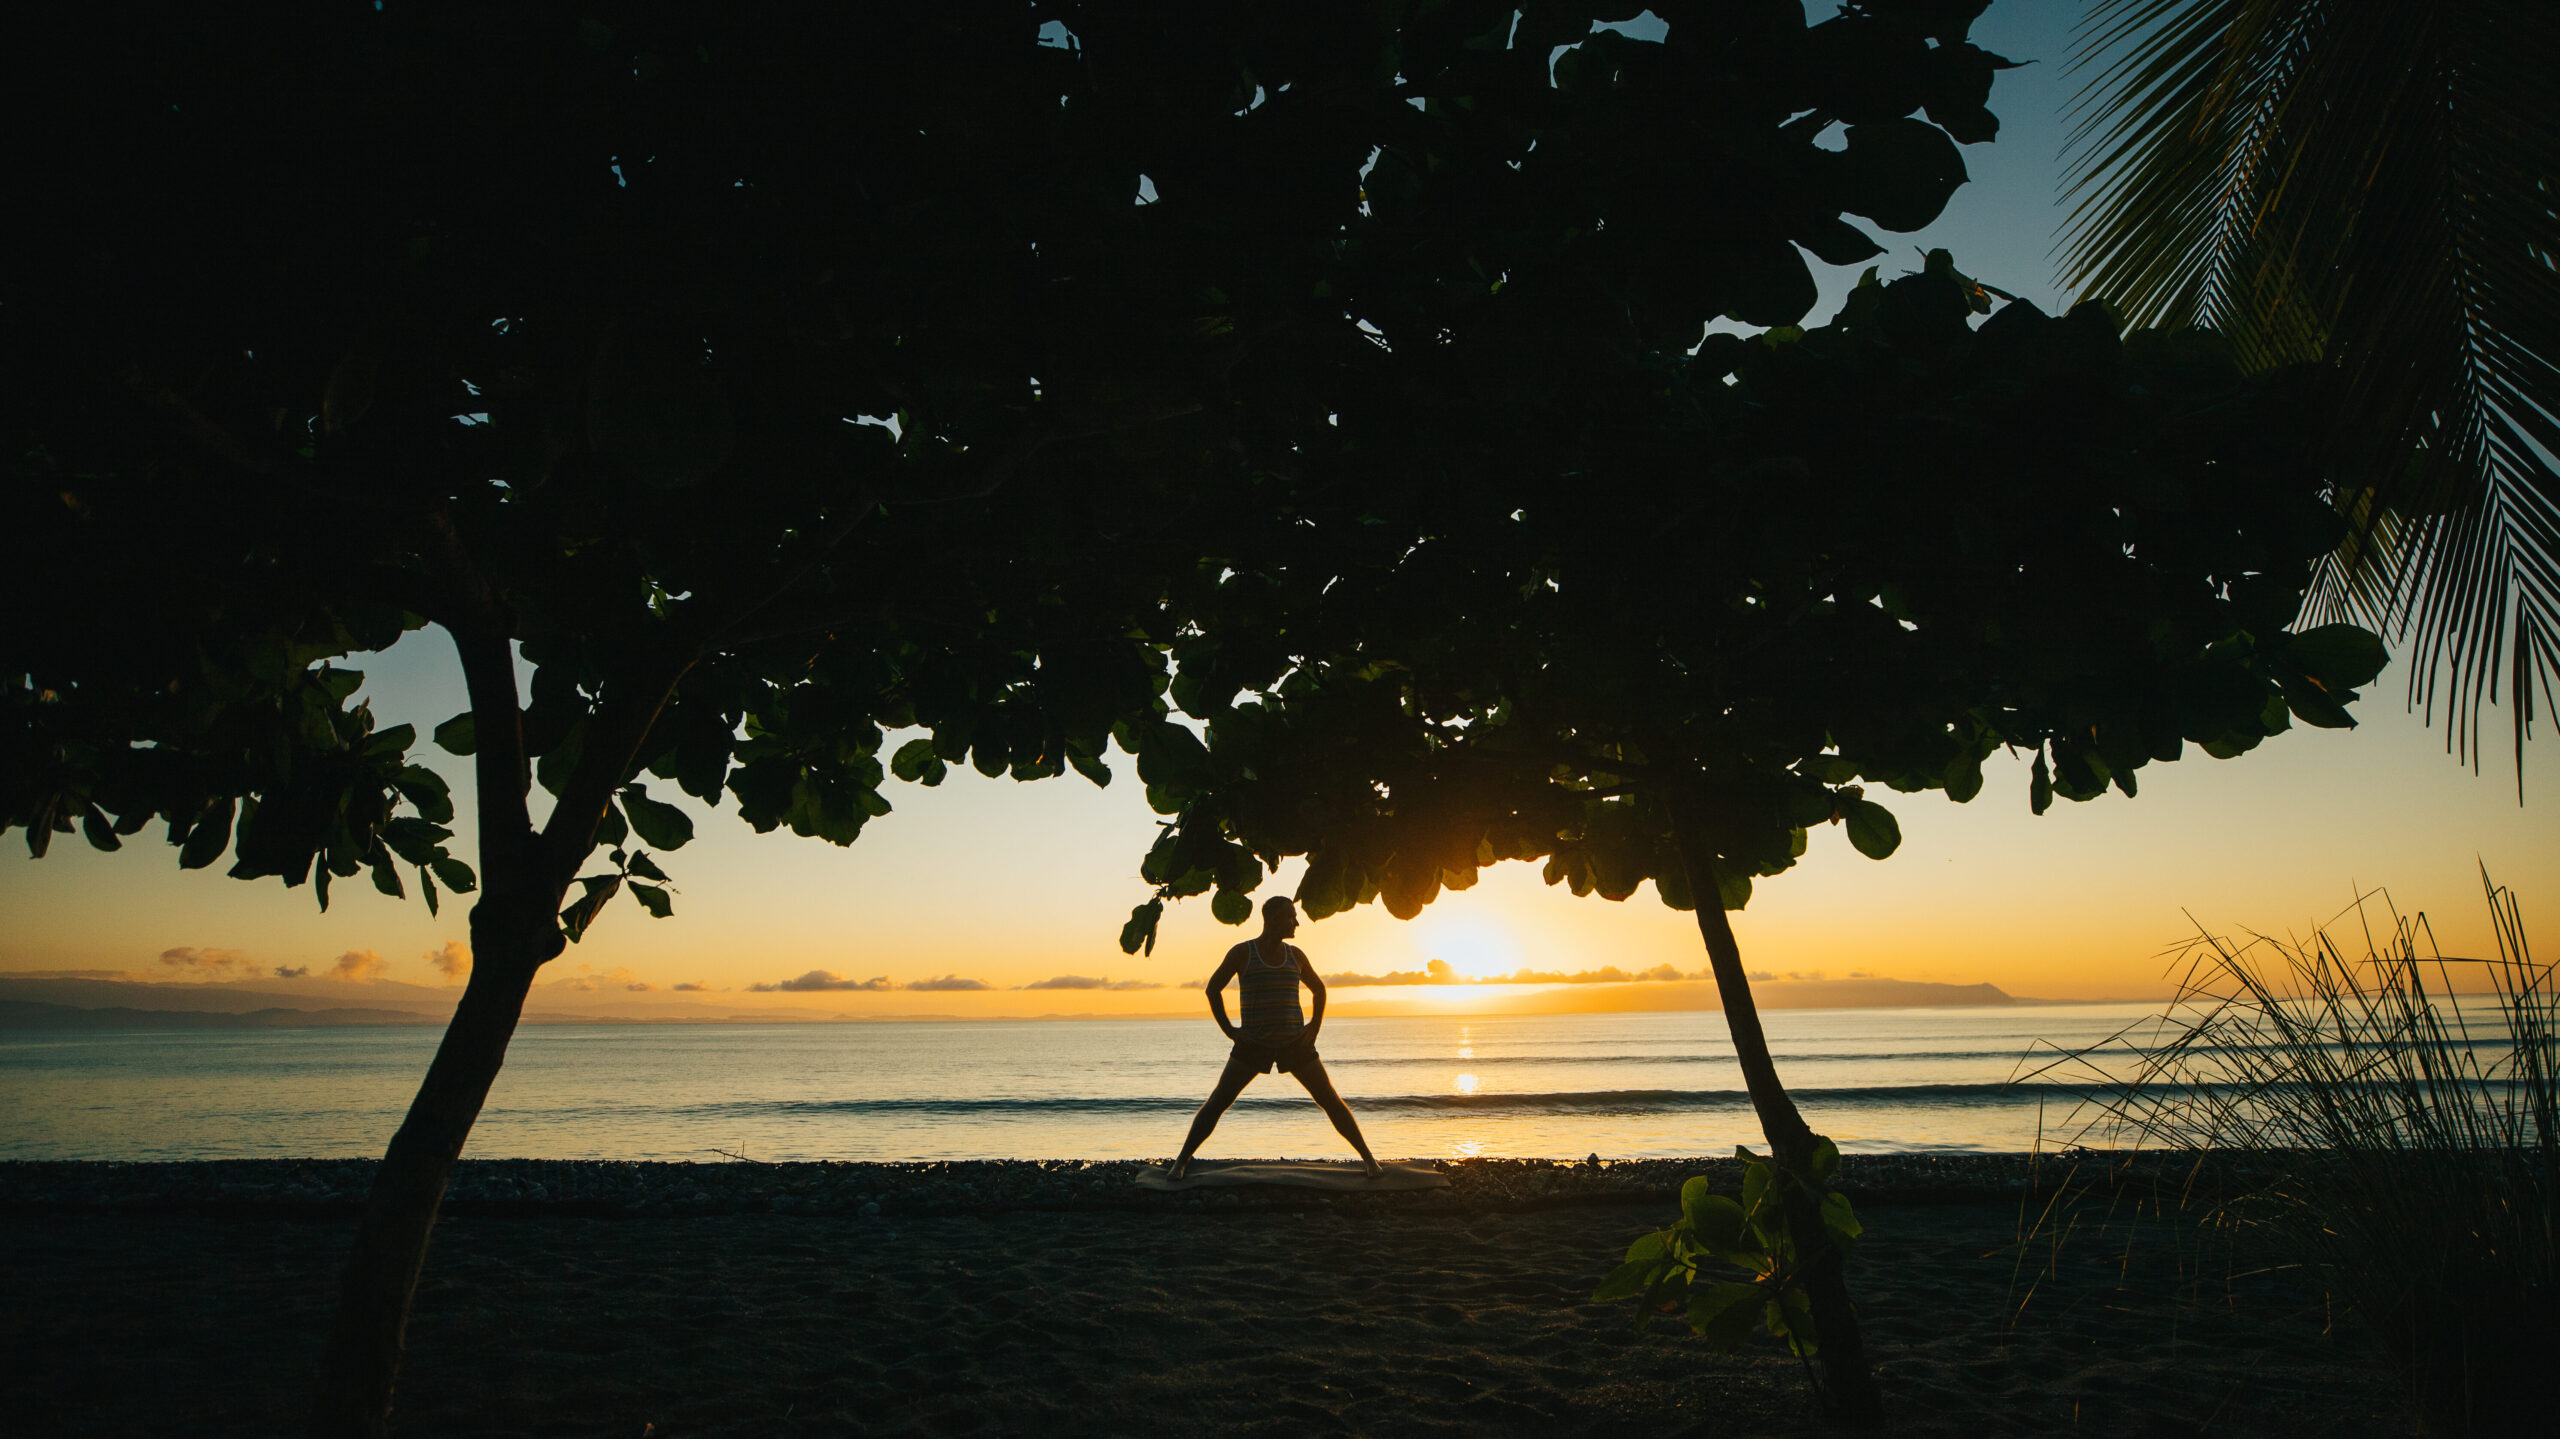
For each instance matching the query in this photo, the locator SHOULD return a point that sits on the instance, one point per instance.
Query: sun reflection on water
(1464, 1084)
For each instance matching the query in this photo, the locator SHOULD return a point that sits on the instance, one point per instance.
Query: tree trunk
(1849, 1386)
(353, 1394)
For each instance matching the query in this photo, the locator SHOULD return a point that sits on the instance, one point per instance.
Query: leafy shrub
(1754, 1239)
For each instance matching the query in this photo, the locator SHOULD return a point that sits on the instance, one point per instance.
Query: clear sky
(1011, 884)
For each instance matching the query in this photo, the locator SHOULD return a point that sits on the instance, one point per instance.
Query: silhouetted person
(1267, 971)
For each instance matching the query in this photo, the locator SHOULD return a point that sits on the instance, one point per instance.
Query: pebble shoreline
(875, 1191)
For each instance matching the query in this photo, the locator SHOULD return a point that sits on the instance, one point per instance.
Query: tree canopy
(764, 380)
(1762, 582)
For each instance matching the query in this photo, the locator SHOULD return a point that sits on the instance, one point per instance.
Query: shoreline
(870, 1190)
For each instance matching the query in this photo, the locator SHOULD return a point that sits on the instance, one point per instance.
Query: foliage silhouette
(2365, 186)
(763, 383)
(1660, 629)
(1754, 1235)
(2408, 1142)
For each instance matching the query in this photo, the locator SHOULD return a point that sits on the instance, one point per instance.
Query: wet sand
(1269, 1321)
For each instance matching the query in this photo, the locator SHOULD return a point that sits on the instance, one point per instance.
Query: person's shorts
(1282, 1058)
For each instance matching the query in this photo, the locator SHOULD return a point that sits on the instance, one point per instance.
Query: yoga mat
(1297, 1174)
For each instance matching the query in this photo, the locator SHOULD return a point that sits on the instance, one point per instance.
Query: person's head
(1280, 916)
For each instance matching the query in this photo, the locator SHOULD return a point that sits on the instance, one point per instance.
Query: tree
(762, 383)
(2367, 187)
(557, 335)
(1751, 588)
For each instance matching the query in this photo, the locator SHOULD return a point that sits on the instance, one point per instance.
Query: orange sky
(1014, 884)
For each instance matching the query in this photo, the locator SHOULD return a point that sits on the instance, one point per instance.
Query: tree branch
(629, 709)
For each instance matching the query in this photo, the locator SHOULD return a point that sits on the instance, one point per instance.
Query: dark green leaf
(582, 913)
(1757, 1176)
(647, 868)
(386, 877)
(427, 888)
(1872, 829)
(1723, 1314)
(1898, 173)
(1626, 1281)
(1826, 1158)
(457, 735)
(1835, 241)
(1230, 907)
(1715, 1219)
(392, 741)
(613, 829)
(2341, 657)
(426, 792)
(415, 840)
(100, 833)
(1839, 1218)
(659, 824)
(915, 760)
(1139, 934)
(653, 898)
(456, 875)
(205, 842)
(1091, 767)
(1733, 887)
(2316, 706)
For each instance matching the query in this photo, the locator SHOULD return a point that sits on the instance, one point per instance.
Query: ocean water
(1561, 1086)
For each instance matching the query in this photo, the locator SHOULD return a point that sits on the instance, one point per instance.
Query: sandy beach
(1462, 1313)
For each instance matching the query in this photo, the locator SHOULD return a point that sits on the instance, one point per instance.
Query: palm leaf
(2371, 187)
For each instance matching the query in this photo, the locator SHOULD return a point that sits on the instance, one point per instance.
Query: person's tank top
(1270, 995)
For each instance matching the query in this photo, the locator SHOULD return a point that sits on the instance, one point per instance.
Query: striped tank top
(1270, 995)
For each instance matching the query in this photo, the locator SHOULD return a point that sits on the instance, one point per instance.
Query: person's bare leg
(1320, 1086)
(1231, 1082)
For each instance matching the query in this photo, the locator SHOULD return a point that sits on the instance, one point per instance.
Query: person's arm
(1218, 997)
(1315, 986)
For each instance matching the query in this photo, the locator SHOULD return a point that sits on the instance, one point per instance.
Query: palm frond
(2372, 186)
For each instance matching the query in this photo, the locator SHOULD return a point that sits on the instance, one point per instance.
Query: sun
(1475, 945)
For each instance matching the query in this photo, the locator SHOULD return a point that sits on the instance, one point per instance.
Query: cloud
(821, 979)
(356, 966)
(299, 971)
(689, 987)
(1086, 981)
(206, 963)
(1760, 975)
(1606, 974)
(453, 961)
(1439, 971)
(639, 986)
(1807, 976)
